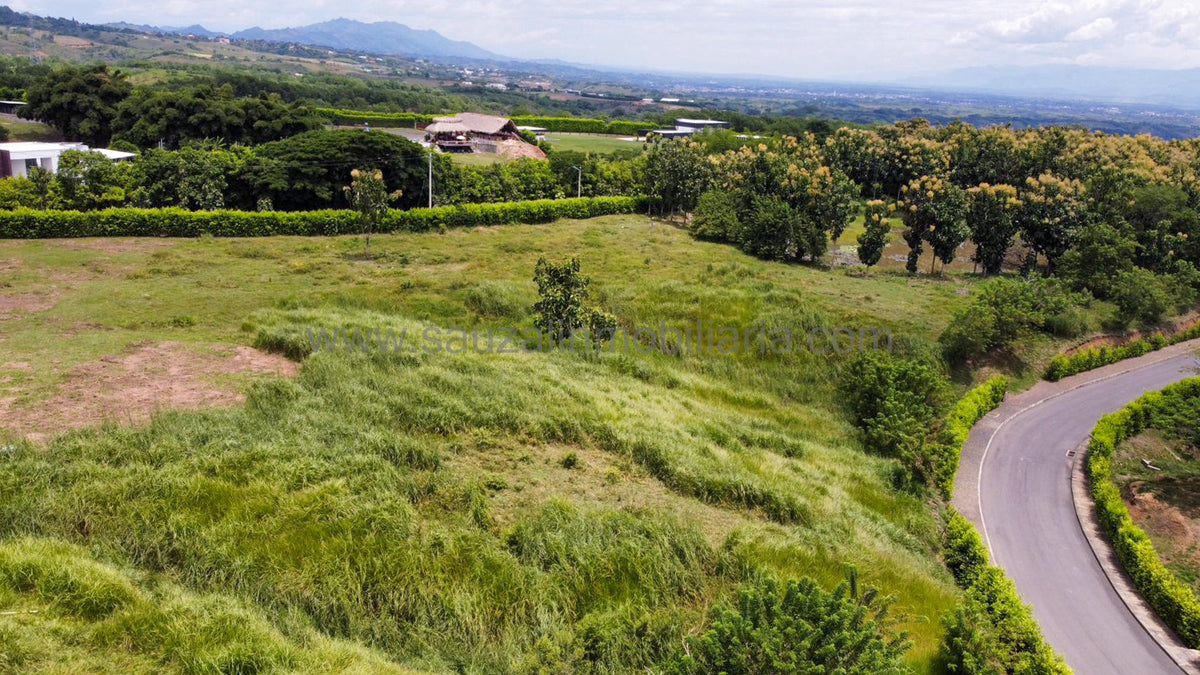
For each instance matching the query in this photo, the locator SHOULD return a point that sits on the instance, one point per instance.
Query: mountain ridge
(381, 37)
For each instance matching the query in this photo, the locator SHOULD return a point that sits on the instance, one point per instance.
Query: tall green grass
(373, 500)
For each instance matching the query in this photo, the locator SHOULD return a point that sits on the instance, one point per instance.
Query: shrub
(716, 217)
(799, 628)
(896, 403)
(1004, 311)
(1141, 296)
(993, 631)
(957, 427)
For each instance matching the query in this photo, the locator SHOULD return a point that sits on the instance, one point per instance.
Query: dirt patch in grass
(1164, 499)
(1176, 536)
(129, 387)
(105, 245)
(13, 305)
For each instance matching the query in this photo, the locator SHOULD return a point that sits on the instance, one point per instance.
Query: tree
(308, 171)
(1141, 295)
(798, 628)
(768, 229)
(560, 311)
(874, 239)
(89, 181)
(827, 210)
(677, 173)
(990, 217)
(716, 217)
(933, 209)
(173, 118)
(80, 102)
(1100, 253)
(368, 195)
(193, 179)
(1051, 211)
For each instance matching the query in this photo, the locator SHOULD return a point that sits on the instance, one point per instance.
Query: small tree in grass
(560, 311)
(798, 628)
(872, 242)
(368, 195)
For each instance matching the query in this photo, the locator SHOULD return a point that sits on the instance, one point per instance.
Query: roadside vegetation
(1141, 462)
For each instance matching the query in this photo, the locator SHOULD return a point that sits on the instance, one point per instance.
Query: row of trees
(98, 106)
(303, 172)
(1114, 217)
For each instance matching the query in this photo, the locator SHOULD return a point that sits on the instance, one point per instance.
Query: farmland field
(635, 489)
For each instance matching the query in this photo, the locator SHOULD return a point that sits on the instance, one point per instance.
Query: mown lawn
(443, 511)
(601, 144)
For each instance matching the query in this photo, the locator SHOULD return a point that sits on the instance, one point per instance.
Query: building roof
(12, 103)
(35, 149)
(685, 121)
(449, 126)
(479, 123)
(114, 154)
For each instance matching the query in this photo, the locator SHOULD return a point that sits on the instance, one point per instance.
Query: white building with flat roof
(17, 158)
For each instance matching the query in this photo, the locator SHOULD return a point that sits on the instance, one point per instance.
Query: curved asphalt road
(1015, 485)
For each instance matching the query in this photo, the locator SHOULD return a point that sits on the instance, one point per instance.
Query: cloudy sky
(822, 39)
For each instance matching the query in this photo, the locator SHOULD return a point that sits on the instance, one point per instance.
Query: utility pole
(579, 182)
(431, 175)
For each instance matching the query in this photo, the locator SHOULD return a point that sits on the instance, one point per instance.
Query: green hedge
(1173, 600)
(992, 626)
(379, 119)
(953, 436)
(31, 224)
(1089, 359)
(582, 125)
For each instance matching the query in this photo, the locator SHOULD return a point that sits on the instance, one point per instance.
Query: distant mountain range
(383, 37)
(1088, 83)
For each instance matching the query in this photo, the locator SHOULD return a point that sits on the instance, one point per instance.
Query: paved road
(1021, 500)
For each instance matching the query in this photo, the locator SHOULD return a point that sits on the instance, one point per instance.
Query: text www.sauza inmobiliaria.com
(700, 337)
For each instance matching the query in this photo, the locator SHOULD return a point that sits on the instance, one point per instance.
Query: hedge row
(953, 436)
(562, 124)
(379, 119)
(583, 125)
(1173, 600)
(1089, 359)
(992, 627)
(31, 224)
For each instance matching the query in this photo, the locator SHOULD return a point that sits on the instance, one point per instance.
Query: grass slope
(469, 512)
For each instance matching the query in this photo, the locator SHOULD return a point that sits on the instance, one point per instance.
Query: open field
(430, 504)
(24, 130)
(601, 144)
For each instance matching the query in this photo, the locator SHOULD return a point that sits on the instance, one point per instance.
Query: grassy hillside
(446, 511)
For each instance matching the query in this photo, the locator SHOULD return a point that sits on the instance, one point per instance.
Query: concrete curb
(1085, 509)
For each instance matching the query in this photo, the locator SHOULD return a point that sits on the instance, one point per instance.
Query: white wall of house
(26, 155)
